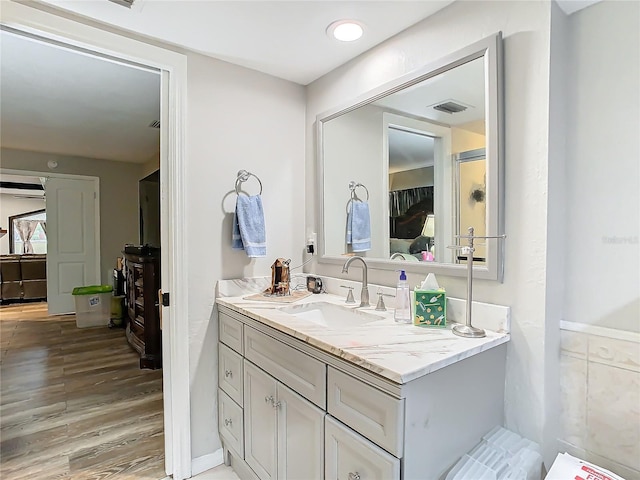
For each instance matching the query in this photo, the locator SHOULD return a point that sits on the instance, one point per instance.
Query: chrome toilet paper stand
(466, 329)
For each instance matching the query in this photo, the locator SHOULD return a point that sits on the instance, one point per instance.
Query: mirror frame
(489, 48)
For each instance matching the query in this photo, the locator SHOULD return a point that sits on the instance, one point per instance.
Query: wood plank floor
(73, 402)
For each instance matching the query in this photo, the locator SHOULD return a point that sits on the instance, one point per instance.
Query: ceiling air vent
(450, 107)
(124, 3)
(155, 124)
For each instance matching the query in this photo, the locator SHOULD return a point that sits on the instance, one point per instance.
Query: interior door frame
(56, 26)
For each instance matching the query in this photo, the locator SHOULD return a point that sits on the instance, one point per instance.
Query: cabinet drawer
(230, 422)
(230, 332)
(373, 413)
(348, 456)
(230, 372)
(299, 371)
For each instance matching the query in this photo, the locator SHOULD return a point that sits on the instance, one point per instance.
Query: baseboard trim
(206, 462)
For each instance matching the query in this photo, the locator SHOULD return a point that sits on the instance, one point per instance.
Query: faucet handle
(350, 298)
(381, 307)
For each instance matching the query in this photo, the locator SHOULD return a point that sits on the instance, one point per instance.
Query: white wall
(118, 197)
(464, 140)
(9, 206)
(360, 131)
(237, 119)
(596, 274)
(526, 31)
(603, 167)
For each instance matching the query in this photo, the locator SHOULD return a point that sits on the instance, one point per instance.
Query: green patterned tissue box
(430, 308)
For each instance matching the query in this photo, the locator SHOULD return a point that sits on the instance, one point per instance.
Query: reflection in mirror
(471, 173)
(427, 149)
(451, 103)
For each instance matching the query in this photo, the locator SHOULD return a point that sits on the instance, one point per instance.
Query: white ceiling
(463, 85)
(409, 150)
(572, 6)
(285, 39)
(64, 102)
(60, 101)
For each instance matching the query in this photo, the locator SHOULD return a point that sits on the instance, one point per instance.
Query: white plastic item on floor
(501, 455)
(566, 467)
(93, 310)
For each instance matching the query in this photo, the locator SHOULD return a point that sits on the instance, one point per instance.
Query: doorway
(91, 40)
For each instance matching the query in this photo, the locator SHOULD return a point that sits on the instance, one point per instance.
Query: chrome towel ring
(243, 176)
(352, 186)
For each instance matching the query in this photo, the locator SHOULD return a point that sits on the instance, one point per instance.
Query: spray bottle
(402, 312)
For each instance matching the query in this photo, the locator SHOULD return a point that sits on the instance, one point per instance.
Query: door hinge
(165, 299)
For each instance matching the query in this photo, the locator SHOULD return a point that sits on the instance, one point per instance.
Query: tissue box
(430, 308)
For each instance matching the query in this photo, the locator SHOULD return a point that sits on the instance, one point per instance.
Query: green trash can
(93, 305)
(117, 311)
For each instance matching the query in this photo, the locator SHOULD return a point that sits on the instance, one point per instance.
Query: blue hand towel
(249, 233)
(359, 226)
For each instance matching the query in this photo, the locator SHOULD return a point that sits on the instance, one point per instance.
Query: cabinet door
(349, 456)
(300, 437)
(260, 421)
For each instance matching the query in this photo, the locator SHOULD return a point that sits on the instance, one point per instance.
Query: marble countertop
(398, 352)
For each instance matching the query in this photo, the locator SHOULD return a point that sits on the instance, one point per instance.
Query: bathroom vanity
(306, 392)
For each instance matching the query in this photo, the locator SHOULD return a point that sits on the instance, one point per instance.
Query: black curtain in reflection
(408, 210)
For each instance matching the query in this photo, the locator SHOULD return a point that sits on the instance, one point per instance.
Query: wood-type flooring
(74, 403)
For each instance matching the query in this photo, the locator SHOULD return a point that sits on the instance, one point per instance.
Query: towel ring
(353, 185)
(243, 176)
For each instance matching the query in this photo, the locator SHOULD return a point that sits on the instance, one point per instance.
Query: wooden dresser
(143, 323)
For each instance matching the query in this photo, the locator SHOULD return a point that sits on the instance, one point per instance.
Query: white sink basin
(330, 315)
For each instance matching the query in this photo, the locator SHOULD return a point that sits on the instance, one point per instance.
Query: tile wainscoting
(600, 396)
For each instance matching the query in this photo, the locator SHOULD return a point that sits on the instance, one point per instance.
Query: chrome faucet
(396, 255)
(364, 294)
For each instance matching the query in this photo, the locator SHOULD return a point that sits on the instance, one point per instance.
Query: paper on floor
(566, 467)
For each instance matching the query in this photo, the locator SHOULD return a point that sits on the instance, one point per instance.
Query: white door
(260, 422)
(73, 250)
(300, 437)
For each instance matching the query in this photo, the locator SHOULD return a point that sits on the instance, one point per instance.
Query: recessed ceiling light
(345, 30)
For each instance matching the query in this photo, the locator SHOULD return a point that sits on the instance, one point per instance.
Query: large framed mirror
(405, 169)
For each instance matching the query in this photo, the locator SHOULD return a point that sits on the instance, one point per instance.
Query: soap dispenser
(402, 313)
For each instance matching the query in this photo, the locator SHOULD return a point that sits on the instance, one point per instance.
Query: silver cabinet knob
(228, 373)
(354, 476)
(227, 422)
(269, 399)
(277, 404)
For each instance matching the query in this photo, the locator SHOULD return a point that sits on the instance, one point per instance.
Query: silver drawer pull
(228, 373)
(227, 422)
(354, 476)
(269, 399)
(277, 404)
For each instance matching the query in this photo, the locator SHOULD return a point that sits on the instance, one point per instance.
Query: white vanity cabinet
(290, 410)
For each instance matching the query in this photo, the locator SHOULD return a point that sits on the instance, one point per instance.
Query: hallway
(74, 403)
